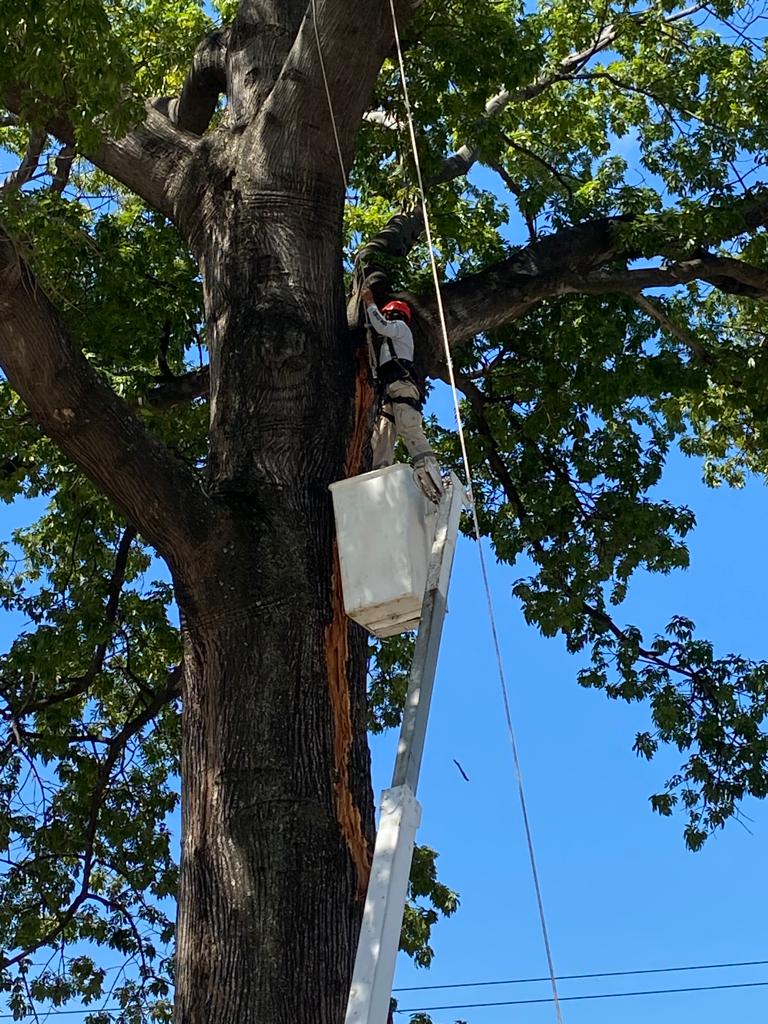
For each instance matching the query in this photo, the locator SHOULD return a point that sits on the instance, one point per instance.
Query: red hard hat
(398, 307)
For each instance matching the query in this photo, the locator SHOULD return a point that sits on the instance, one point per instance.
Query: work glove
(426, 473)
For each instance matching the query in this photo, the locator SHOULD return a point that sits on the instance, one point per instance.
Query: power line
(599, 995)
(579, 977)
(522, 981)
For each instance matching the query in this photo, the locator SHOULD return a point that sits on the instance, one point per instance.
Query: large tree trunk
(277, 806)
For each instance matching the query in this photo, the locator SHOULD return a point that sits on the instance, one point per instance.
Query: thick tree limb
(193, 109)
(585, 259)
(29, 164)
(354, 39)
(260, 40)
(149, 160)
(90, 423)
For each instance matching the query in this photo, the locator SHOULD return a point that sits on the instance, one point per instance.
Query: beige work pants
(408, 425)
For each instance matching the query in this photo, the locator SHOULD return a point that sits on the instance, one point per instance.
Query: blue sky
(621, 891)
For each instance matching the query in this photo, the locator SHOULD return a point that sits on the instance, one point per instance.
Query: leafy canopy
(573, 408)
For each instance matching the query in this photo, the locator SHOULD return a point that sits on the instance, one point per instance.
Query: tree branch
(206, 81)
(585, 259)
(116, 747)
(90, 423)
(26, 169)
(669, 325)
(499, 470)
(354, 39)
(261, 38)
(179, 390)
(149, 160)
(461, 162)
(463, 159)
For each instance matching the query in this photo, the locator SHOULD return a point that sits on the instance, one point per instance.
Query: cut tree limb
(90, 423)
(179, 390)
(62, 168)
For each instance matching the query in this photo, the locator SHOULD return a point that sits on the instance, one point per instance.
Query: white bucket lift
(385, 527)
(396, 553)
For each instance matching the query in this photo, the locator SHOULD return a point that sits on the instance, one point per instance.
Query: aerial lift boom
(400, 812)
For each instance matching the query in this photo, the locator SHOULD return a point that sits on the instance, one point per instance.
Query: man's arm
(382, 326)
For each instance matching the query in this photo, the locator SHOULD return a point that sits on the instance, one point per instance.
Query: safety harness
(393, 370)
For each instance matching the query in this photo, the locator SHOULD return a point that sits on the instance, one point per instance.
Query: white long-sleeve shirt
(397, 331)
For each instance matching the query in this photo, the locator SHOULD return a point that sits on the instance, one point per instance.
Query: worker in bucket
(400, 401)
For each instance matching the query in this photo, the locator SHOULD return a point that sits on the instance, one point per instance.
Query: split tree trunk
(276, 799)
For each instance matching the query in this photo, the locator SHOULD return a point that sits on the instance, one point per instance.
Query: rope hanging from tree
(476, 525)
(465, 458)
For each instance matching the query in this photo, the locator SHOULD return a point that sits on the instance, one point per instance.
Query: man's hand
(367, 296)
(426, 473)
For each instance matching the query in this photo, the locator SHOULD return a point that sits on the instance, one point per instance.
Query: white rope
(483, 567)
(328, 96)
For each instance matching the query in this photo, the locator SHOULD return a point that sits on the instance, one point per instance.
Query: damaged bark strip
(336, 659)
(364, 412)
(337, 649)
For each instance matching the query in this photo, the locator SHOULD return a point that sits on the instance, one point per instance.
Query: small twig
(520, 148)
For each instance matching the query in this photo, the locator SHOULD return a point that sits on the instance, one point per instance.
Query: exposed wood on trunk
(365, 408)
(336, 655)
(337, 650)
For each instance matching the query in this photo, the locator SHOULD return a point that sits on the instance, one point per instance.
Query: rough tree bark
(277, 807)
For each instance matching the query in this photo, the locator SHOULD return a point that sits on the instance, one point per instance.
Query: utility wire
(520, 981)
(600, 995)
(476, 524)
(581, 977)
